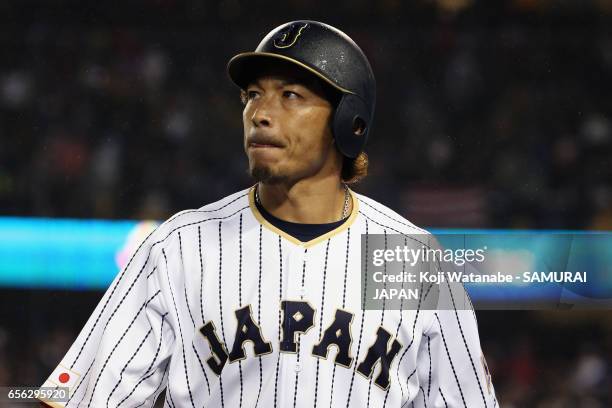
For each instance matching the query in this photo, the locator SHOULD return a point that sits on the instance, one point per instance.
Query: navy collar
(303, 232)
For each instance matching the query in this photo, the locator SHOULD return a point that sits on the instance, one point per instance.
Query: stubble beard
(263, 174)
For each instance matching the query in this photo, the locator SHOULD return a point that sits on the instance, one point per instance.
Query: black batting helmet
(332, 56)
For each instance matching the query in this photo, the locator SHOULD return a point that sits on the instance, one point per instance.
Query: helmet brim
(243, 67)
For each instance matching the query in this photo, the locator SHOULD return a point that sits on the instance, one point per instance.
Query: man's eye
(252, 94)
(290, 94)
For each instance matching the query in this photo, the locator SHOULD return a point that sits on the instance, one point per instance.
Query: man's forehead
(281, 79)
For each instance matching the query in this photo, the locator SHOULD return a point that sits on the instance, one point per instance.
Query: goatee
(264, 175)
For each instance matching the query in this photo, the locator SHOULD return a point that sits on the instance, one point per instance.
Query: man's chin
(265, 175)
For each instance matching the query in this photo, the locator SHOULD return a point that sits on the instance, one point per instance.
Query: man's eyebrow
(292, 81)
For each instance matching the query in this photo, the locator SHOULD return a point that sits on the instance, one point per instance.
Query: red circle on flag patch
(64, 378)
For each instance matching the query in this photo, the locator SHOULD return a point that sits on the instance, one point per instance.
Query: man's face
(286, 120)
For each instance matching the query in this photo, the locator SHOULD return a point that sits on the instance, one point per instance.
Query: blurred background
(491, 115)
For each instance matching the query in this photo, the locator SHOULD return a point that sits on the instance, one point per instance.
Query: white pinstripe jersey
(221, 309)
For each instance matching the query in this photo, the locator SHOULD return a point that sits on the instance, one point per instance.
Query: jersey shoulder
(223, 209)
(382, 215)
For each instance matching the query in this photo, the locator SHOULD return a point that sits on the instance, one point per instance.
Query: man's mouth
(263, 142)
(260, 145)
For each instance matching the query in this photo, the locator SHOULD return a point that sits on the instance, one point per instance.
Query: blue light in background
(87, 254)
(60, 253)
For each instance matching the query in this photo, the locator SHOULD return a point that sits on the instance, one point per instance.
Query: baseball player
(255, 300)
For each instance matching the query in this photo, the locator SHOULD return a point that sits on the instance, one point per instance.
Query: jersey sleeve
(451, 365)
(452, 368)
(121, 356)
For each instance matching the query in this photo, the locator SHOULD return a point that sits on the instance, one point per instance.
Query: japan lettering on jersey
(222, 309)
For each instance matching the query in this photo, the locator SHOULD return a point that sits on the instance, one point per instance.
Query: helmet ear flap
(351, 125)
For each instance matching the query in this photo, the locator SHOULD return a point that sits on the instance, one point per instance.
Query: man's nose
(261, 118)
(262, 114)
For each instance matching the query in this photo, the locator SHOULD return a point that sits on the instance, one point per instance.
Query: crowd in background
(487, 117)
(478, 124)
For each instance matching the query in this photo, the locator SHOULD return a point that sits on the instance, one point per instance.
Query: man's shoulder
(227, 205)
(384, 216)
(222, 209)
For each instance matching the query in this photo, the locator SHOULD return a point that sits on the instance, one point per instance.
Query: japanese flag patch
(64, 377)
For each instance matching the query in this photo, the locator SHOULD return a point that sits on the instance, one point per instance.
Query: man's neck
(306, 201)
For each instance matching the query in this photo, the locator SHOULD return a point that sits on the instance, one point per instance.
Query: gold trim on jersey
(345, 225)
